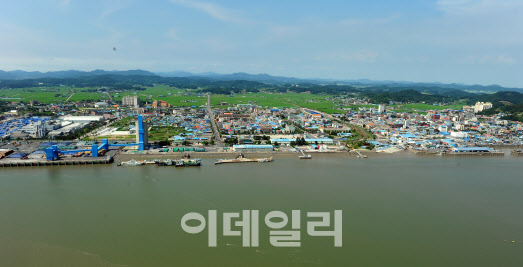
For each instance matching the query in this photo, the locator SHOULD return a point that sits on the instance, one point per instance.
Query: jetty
(65, 162)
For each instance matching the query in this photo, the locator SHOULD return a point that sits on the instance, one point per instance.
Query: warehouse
(82, 119)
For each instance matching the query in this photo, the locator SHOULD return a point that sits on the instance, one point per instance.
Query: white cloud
(284, 31)
(479, 7)
(489, 60)
(367, 21)
(213, 10)
(172, 34)
(65, 3)
(112, 6)
(506, 60)
(363, 55)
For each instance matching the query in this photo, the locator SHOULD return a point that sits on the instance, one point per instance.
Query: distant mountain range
(263, 78)
(67, 74)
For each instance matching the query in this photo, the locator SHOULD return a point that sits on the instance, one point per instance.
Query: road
(217, 137)
(110, 97)
(69, 97)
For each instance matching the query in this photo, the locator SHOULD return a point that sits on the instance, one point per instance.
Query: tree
(268, 142)
(231, 141)
(186, 143)
(164, 143)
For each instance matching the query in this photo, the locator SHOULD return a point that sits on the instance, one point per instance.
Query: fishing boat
(241, 159)
(186, 161)
(131, 162)
(164, 162)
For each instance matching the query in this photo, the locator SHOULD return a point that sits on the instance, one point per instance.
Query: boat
(303, 156)
(131, 162)
(186, 161)
(361, 156)
(164, 162)
(241, 159)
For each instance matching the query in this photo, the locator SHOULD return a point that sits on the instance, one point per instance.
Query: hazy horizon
(465, 41)
(300, 78)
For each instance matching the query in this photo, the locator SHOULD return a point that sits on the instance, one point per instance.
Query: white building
(100, 104)
(67, 129)
(382, 109)
(131, 101)
(459, 134)
(35, 129)
(480, 106)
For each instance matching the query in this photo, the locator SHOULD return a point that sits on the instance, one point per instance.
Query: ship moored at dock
(241, 159)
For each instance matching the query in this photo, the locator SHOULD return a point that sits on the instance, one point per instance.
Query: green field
(164, 132)
(182, 97)
(280, 100)
(42, 94)
(429, 107)
(177, 97)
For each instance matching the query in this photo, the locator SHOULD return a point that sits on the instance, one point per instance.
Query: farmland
(183, 97)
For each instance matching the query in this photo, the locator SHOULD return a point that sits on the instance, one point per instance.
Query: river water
(397, 211)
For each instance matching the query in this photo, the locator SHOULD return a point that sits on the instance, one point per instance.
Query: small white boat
(303, 156)
(131, 162)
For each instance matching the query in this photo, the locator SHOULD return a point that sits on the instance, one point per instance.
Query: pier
(73, 162)
(473, 154)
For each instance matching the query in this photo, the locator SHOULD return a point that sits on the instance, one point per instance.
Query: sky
(448, 41)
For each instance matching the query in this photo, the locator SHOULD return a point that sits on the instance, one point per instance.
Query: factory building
(82, 119)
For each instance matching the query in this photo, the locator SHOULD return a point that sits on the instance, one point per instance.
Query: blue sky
(462, 41)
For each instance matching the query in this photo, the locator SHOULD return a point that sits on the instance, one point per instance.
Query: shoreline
(116, 156)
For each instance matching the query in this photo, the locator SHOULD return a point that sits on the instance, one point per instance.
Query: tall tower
(142, 134)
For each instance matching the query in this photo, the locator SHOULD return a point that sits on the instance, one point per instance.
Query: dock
(66, 162)
(473, 154)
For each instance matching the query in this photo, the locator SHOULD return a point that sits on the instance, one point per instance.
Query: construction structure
(142, 135)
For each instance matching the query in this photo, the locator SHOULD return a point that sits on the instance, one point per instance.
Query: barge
(241, 159)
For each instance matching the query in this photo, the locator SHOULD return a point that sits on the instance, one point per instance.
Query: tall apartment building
(480, 106)
(131, 101)
(382, 109)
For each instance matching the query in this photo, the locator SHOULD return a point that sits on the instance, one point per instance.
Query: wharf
(517, 152)
(75, 162)
(426, 153)
(473, 154)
